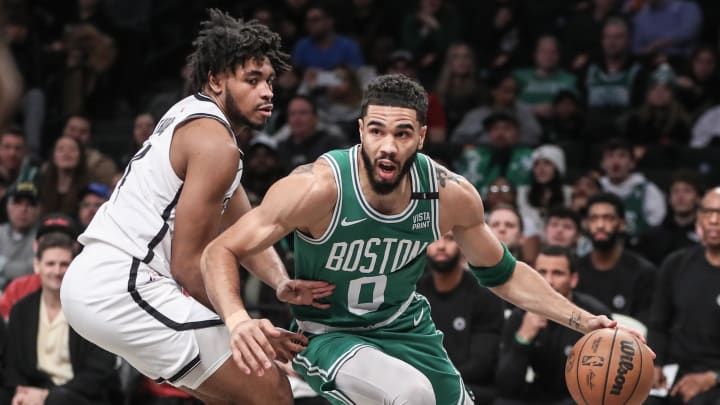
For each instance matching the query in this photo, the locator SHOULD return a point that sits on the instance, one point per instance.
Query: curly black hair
(396, 91)
(224, 43)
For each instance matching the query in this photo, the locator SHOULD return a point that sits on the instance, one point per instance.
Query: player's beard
(384, 187)
(606, 244)
(444, 266)
(235, 116)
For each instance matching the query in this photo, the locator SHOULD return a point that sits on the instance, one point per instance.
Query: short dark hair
(511, 208)
(607, 198)
(396, 90)
(566, 252)
(307, 99)
(691, 177)
(13, 130)
(562, 212)
(224, 43)
(614, 144)
(54, 240)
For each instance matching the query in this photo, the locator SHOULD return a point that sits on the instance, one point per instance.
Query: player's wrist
(235, 318)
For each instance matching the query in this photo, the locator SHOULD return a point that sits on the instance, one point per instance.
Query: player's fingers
(258, 360)
(315, 284)
(300, 339)
(294, 347)
(268, 329)
(320, 305)
(263, 349)
(249, 358)
(238, 358)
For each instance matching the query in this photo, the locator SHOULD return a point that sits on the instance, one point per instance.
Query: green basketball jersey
(374, 260)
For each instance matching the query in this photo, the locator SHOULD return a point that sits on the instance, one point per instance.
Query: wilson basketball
(609, 367)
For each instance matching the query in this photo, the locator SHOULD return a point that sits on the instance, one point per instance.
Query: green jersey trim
(338, 206)
(366, 207)
(317, 328)
(435, 203)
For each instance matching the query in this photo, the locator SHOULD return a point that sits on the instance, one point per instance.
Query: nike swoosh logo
(345, 222)
(417, 320)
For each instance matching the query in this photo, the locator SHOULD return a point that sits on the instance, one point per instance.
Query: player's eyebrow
(376, 123)
(253, 72)
(405, 126)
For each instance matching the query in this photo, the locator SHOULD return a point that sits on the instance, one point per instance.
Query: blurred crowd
(591, 128)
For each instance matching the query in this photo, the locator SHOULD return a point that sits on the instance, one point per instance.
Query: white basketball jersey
(139, 218)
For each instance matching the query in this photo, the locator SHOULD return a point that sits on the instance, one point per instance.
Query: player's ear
(216, 82)
(360, 128)
(423, 133)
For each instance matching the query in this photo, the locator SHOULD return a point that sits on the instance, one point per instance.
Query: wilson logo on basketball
(626, 364)
(593, 361)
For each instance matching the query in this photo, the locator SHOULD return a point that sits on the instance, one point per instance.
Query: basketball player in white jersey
(136, 289)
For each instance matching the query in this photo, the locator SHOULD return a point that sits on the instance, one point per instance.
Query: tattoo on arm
(574, 321)
(308, 168)
(443, 176)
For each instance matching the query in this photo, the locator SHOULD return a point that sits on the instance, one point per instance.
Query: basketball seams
(609, 364)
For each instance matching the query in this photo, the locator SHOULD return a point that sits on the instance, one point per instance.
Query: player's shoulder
(317, 179)
(453, 187)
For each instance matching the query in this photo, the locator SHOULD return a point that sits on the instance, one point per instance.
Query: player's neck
(388, 204)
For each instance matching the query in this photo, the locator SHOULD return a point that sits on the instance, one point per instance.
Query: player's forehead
(255, 67)
(390, 116)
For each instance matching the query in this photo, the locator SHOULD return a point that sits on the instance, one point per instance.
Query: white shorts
(122, 305)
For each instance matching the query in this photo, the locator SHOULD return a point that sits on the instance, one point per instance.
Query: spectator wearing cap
(504, 156)
(15, 164)
(46, 361)
(539, 84)
(546, 189)
(678, 229)
(91, 199)
(262, 167)
(644, 203)
(17, 235)
(503, 98)
(20, 287)
(661, 122)
(403, 62)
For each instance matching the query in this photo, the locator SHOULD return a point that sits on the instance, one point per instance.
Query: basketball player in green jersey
(362, 219)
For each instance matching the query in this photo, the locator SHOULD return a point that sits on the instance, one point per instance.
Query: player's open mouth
(266, 110)
(387, 170)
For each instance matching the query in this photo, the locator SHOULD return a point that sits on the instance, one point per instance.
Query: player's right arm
(301, 200)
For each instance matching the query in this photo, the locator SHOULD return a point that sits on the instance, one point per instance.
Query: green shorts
(412, 338)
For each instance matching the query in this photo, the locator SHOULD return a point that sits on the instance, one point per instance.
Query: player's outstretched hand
(602, 321)
(304, 292)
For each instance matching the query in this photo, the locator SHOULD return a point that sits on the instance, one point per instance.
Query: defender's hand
(304, 292)
(251, 347)
(288, 344)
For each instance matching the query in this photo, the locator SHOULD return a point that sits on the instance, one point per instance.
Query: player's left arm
(461, 210)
